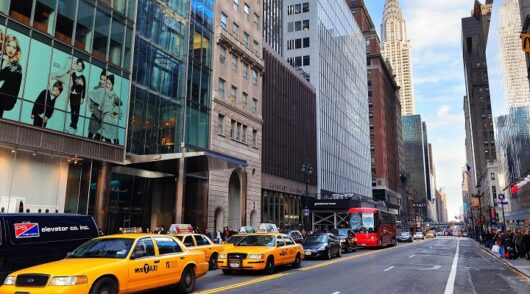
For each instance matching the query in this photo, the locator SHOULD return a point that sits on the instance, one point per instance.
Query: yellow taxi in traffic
(430, 234)
(201, 243)
(261, 252)
(112, 264)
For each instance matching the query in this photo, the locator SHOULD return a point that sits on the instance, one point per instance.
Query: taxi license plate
(308, 253)
(234, 264)
(21, 292)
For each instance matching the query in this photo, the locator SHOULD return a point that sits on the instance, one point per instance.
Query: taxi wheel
(187, 280)
(213, 262)
(104, 286)
(297, 261)
(269, 267)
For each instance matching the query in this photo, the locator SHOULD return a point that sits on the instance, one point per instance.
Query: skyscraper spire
(396, 50)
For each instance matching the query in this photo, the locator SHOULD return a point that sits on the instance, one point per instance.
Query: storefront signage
(283, 185)
(50, 88)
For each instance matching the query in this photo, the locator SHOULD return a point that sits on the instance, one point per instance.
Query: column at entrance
(102, 196)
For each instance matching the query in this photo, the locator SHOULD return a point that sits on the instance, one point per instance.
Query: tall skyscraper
(322, 39)
(479, 127)
(397, 51)
(508, 79)
(385, 116)
(416, 166)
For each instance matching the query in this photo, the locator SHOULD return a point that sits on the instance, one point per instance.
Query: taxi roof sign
(180, 228)
(268, 228)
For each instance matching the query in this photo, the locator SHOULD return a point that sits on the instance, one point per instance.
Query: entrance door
(234, 201)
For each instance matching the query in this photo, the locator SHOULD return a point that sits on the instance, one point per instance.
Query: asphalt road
(428, 266)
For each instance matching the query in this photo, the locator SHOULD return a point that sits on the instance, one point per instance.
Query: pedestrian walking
(526, 244)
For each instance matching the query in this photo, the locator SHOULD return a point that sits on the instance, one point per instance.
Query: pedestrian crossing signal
(525, 39)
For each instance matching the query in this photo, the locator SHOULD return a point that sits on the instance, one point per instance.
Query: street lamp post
(307, 170)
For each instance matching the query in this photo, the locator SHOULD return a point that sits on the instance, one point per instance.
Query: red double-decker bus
(373, 227)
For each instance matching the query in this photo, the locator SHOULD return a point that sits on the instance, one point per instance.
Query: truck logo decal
(27, 230)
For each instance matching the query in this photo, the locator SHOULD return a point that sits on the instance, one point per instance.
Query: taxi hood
(250, 249)
(71, 266)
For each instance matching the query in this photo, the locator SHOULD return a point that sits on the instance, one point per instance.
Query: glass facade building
(171, 76)
(513, 139)
(64, 94)
(330, 48)
(415, 166)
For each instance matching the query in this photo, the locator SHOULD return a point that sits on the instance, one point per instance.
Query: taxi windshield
(104, 248)
(257, 241)
(234, 239)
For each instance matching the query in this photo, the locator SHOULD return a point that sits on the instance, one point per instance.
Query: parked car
(28, 239)
(347, 239)
(261, 252)
(124, 263)
(419, 235)
(405, 237)
(324, 245)
(296, 235)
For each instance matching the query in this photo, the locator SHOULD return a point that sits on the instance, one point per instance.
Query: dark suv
(348, 242)
(296, 235)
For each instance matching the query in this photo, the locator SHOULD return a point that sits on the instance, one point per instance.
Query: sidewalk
(521, 265)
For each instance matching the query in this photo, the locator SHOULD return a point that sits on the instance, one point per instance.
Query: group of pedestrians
(511, 244)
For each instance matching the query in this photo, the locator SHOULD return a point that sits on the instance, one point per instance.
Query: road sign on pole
(502, 197)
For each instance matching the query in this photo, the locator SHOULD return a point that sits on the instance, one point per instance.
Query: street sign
(525, 39)
(503, 203)
(306, 212)
(502, 197)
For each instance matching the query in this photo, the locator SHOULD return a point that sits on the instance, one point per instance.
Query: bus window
(362, 221)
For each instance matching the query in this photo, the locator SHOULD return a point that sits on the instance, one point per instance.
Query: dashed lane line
(389, 269)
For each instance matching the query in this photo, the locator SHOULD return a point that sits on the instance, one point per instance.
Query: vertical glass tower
(322, 39)
(171, 75)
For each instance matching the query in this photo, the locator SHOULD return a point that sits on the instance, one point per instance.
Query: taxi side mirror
(68, 254)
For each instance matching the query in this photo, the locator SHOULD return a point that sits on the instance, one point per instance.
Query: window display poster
(46, 87)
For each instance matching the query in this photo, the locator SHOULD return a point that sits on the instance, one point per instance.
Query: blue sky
(434, 28)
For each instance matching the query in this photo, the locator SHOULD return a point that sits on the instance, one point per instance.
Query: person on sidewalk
(518, 242)
(526, 244)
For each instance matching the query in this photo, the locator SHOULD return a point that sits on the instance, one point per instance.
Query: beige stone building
(396, 51)
(236, 118)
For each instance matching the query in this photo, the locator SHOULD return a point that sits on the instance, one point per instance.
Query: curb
(503, 261)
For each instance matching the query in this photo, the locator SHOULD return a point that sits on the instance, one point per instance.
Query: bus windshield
(362, 222)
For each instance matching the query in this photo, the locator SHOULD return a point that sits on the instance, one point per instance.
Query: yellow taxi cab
(201, 243)
(261, 252)
(429, 234)
(123, 263)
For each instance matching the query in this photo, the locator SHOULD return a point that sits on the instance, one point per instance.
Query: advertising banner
(49, 88)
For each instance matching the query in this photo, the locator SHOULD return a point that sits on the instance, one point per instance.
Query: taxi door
(290, 245)
(189, 241)
(204, 245)
(281, 251)
(171, 256)
(144, 266)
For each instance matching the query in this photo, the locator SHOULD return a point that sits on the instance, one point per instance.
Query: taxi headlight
(10, 280)
(255, 256)
(222, 255)
(68, 281)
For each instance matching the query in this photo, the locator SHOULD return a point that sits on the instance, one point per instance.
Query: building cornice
(235, 45)
(237, 110)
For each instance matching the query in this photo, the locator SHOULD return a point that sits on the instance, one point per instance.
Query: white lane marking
(412, 256)
(450, 287)
(338, 292)
(389, 268)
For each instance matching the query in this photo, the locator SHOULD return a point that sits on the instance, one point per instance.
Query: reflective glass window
(45, 15)
(64, 29)
(116, 42)
(21, 10)
(120, 5)
(101, 34)
(85, 22)
(221, 88)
